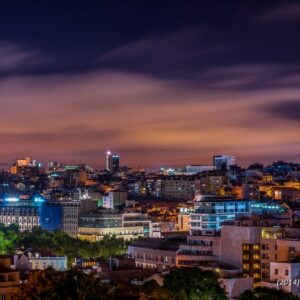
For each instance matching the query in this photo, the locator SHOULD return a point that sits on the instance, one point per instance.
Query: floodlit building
(194, 169)
(55, 262)
(211, 211)
(284, 276)
(221, 161)
(114, 199)
(24, 213)
(112, 162)
(179, 187)
(94, 227)
(153, 253)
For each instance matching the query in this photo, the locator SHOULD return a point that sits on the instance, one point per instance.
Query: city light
(12, 199)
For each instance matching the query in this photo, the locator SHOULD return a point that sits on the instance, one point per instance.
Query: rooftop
(157, 244)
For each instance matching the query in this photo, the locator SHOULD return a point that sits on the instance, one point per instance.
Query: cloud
(288, 12)
(62, 136)
(169, 54)
(289, 109)
(149, 120)
(251, 76)
(163, 47)
(16, 58)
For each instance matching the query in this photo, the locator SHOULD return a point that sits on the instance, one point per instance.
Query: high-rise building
(223, 161)
(112, 162)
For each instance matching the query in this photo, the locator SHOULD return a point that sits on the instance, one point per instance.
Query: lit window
(256, 256)
(255, 247)
(245, 247)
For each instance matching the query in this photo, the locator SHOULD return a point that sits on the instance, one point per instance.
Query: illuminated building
(38, 212)
(250, 190)
(72, 175)
(212, 182)
(210, 212)
(9, 279)
(183, 220)
(24, 213)
(51, 216)
(112, 162)
(203, 244)
(94, 227)
(64, 214)
(70, 217)
(152, 253)
(284, 276)
(179, 187)
(54, 262)
(26, 168)
(114, 199)
(199, 251)
(254, 248)
(23, 162)
(223, 161)
(194, 169)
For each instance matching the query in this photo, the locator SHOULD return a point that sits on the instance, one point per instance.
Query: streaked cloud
(170, 121)
(288, 109)
(285, 12)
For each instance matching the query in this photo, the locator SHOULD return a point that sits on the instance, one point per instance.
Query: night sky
(163, 83)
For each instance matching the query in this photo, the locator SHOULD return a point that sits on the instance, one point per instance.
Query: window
(256, 256)
(255, 247)
(276, 271)
(246, 247)
(292, 249)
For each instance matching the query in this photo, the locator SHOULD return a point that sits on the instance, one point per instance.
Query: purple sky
(158, 99)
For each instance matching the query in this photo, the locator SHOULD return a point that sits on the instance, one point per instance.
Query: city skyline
(162, 89)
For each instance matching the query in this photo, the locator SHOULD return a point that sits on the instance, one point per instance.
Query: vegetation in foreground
(180, 284)
(263, 293)
(58, 243)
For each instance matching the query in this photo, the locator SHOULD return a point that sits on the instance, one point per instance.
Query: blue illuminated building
(51, 216)
(211, 211)
(267, 207)
(27, 214)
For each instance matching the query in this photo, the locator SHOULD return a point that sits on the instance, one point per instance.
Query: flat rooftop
(157, 244)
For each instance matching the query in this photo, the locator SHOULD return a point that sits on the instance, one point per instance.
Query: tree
(58, 243)
(152, 291)
(8, 238)
(193, 283)
(263, 293)
(54, 285)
